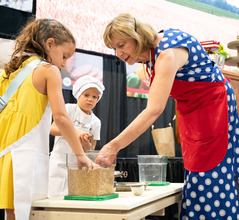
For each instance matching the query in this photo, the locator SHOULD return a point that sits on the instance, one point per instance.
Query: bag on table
(164, 140)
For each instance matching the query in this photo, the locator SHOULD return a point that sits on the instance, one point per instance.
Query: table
(125, 207)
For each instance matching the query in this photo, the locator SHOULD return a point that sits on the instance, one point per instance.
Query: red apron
(203, 123)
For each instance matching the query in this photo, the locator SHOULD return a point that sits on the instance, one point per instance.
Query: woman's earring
(117, 61)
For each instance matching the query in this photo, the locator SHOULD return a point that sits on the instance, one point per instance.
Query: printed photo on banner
(137, 80)
(22, 5)
(6, 45)
(81, 64)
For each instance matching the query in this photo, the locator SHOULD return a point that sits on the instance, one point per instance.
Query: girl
(25, 121)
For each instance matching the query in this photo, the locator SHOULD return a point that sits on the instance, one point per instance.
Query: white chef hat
(86, 82)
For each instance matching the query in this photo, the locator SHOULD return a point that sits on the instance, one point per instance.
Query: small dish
(137, 189)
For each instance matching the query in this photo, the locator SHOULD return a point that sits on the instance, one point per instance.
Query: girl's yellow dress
(23, 113)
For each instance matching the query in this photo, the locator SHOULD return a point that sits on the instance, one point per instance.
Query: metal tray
(125, 186)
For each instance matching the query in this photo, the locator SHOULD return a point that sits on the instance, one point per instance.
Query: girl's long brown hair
(32, 38)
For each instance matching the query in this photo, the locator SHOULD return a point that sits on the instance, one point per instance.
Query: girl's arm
(47, 80)
(60, 116)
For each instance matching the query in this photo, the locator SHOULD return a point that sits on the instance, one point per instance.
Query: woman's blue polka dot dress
(211, 194)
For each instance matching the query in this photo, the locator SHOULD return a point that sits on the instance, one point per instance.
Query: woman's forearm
(140, 124)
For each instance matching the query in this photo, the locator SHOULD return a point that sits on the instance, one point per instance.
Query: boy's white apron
(30, 159)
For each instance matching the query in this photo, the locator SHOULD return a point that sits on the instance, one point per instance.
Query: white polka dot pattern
(211, 194)
(198, 61)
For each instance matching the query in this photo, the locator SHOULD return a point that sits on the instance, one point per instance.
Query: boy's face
(88, 100)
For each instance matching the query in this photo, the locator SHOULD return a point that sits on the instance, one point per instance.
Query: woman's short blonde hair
(126, 26)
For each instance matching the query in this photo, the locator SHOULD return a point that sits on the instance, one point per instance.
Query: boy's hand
(84, 138)
(82, 134)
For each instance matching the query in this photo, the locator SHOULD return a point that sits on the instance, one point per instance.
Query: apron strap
(6, 150)
(17, 81)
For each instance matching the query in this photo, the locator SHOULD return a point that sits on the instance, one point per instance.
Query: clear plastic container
(84, 182)
(152, 168)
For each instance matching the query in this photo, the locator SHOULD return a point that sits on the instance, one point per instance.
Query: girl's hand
(106, 156)
(84, 161)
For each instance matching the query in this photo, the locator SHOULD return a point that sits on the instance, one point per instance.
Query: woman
(178, 66)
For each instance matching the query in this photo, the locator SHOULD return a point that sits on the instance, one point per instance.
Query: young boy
(88, 91)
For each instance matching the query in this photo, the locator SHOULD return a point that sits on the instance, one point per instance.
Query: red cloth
(203, 123)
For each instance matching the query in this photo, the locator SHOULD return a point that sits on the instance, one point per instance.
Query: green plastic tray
(159, 184)
(92, 198)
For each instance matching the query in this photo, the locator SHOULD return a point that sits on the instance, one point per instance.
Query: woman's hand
(106, 156)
